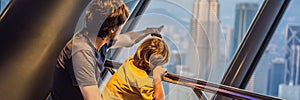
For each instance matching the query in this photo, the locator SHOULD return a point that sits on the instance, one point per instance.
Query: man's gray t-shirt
(79, 63)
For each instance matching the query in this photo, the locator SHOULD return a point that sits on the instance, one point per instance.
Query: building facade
(292, 74)
(205, 31)
(275, 76)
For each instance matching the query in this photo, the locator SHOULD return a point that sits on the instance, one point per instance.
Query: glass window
(278, 72)
(3, 4)
(202, 36)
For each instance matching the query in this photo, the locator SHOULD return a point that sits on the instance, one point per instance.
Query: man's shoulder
(81, 43)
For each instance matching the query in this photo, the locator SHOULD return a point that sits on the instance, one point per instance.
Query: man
(77, 72)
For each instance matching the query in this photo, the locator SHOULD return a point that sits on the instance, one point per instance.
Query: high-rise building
(289, 92)
(275, 76)
(228, 33)
(244, 14)
(260, 74)
(203, 54)
(292, 74)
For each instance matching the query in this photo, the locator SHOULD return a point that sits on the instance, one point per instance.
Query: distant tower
(292, 75)
(275, 76)
(229, 35)
(244, 14)
(205, 35)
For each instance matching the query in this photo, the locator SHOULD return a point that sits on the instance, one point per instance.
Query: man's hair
(110, 13)
(152, 52)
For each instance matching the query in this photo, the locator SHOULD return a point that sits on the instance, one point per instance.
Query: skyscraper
(244, 14)
(292, 74)
(205, 35)
(260, 74)
(229, 40)
(289, 92)
(275, 76)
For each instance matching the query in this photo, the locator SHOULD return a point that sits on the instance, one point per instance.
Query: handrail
(224, 90)
(198, 84)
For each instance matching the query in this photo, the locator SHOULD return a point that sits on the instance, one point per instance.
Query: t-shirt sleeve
(84, 68)
(147, 93)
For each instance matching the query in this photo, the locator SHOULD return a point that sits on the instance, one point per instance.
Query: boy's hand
(157, 73)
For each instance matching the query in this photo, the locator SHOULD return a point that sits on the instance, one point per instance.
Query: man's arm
(131, 38)
(84, 71)
(90, 92)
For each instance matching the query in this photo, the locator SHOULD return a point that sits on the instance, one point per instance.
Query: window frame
(253, 45)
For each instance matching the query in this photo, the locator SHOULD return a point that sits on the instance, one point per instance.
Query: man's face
(113, 37)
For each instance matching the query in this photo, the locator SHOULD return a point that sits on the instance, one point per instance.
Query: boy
(132, 80)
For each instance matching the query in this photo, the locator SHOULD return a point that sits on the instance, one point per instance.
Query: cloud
(290, 18)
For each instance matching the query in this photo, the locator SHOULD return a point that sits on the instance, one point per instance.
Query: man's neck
(100, 42)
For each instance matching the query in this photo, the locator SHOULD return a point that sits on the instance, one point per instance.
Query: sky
(227, 13)
(227, 8)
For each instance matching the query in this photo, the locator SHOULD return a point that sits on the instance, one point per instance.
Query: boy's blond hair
(151, 53)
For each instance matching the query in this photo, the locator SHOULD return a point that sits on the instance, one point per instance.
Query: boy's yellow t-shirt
(129, 83)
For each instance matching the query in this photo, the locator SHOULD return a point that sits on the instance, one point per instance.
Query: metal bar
(200, 94)
(264, 44)
(258, 36)
(215, 88)
(111, 71)
(112, 64)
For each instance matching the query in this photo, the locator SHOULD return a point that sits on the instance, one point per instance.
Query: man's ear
(111, 31)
